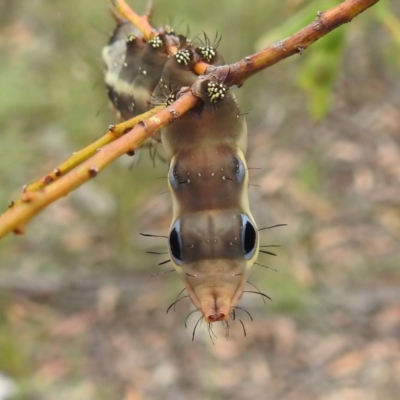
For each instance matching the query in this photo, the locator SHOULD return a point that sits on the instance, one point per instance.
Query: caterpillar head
(216, 288)
(214, 251)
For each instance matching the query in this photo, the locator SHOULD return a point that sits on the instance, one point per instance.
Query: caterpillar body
(213, 239)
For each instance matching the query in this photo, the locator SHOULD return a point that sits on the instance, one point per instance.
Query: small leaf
(319, 71)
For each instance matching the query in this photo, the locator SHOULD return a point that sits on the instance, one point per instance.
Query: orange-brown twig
(141, 22)
(33, 202)
(325, 22)
(80, 156)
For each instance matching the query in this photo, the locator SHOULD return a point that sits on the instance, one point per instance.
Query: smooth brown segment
(207, 125)
(197, 174)
(211, 234)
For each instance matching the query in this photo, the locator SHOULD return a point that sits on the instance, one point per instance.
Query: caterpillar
(213, 238)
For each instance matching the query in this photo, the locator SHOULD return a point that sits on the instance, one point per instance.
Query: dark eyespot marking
(249, 237)
(173, 177)
(240, 169)
(175, 242)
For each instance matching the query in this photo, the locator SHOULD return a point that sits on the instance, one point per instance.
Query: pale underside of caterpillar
(213, 239)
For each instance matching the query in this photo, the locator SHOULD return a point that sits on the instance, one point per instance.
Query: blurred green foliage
(320, 67)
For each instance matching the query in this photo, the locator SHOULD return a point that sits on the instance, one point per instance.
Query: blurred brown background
(80, 317)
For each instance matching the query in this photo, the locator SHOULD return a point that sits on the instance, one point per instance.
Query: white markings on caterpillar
(156, 42)
(183, 57)
(216, 91)
(207, 52)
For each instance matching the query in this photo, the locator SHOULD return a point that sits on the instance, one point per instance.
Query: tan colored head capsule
(215, 291)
